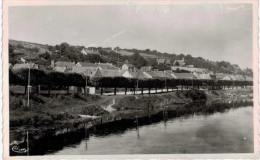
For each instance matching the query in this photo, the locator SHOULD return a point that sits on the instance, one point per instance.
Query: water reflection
(228, 132)
(205, 131)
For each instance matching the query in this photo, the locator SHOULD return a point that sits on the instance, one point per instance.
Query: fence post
(85, 91)
(115, 91)
(39, 89)
(25, 90)
(101, 91)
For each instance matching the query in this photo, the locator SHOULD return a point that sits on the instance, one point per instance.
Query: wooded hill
(42, 54)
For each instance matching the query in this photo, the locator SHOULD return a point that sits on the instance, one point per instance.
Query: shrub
(196, 95)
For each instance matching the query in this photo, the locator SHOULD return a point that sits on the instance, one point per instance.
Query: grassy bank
(49, 113)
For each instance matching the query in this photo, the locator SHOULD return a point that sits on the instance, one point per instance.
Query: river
(228, 132)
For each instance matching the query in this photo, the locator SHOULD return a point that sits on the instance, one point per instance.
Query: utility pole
(27, 142)
(165, 80)
(192, 82)
(28, 86)
(117, 57)
(137, 80)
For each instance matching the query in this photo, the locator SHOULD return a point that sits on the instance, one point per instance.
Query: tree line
(49, 78)
(53, 79)
(121, 82)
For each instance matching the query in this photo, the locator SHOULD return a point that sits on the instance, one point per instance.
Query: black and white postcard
(130, 79)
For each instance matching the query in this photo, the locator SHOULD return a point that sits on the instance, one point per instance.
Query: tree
(45, 55)
(64, 47)
(137, 60)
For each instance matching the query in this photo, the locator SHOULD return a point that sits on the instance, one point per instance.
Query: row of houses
(93, 70)
(129, 71)
(99, 72)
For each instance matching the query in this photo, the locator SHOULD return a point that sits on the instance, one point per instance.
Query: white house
(179, 62)
(160, 60)
(90, 50)
(146, 68)
(128, 67)
(83, 51)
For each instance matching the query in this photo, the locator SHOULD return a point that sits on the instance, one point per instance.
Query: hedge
(52, 78)
(40, 77)
(121, 82)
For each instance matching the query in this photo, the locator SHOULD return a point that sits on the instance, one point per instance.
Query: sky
(212, 31)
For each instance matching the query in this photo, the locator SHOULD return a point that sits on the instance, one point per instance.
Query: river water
(228, 132)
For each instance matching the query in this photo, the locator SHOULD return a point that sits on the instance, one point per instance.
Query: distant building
(62, 66)
(25, 65)
(89, 51)
(146, 68)
(83, 51)
(92, 50)
(160, 61)
(179, 62)
(128, 67)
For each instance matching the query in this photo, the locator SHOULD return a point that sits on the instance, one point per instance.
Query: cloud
(114, 36)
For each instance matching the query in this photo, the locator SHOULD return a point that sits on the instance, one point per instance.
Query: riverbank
(62, 114)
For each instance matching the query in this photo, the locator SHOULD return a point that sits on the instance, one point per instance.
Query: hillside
(43, 54)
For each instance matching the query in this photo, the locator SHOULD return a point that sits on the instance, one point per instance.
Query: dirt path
(109, 107)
